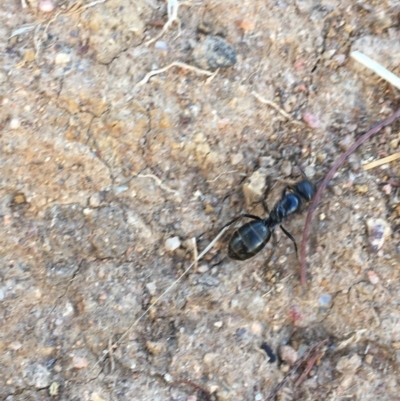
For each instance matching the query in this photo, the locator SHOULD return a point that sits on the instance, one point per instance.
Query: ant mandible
(251, 237)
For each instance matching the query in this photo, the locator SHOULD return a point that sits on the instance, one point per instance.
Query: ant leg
(250, 216)
(285, 189)
(291, 238)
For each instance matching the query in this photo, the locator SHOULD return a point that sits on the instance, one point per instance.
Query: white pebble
(218, 325)
(171, 244)
(203, 268)
(15, 123)
(62, 58)
(236, 158)
(161, 45)
(151, 287)
(168, 378)
(373, 277)
(46, 6)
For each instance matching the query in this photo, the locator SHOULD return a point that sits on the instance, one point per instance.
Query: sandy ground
(100, 168)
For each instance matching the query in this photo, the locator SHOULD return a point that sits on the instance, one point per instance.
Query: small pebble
(387, 189)
(209, 358)
(284, 368)
(79, 363)
(152, 288)
(346, 142)
(266, 161)
(310, 171)
(322, 216)
(203, 268)
(95, 200)
(214, 52)
(155, 347)
(288, 354)
(373, 277)
(53, 389)
(254, 187)
(15, 345)
(361, 189)
(256, 328)
(46, 6)
(236, 159)
(15, 123)
(369, 358)
(325, 299)
(348, 364)
(258, 397)
(19, 198)
(218, 325)
(286, 168)
(311, 120)
(122, 188)
(171, 244)
(62, 58)
(245, 24)
(96, 397)
(378, 231)
(168, 378)
(161, 45)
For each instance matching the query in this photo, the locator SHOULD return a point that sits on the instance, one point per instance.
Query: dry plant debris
(380, 162)
(276, 107)
(314, 352)
(175, 64)
(377, 68)
(172, 9)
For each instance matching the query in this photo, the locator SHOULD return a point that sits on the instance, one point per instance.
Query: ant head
(305, 189)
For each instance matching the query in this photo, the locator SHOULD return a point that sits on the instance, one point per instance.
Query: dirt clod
(214, 52)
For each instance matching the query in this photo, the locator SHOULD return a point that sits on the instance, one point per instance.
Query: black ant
(251, 237)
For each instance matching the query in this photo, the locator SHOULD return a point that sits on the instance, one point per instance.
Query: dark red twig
(189, 383)
(313, 349)
(307, 369)
(328, 177)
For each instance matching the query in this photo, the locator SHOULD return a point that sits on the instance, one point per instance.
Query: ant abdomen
(248, 240)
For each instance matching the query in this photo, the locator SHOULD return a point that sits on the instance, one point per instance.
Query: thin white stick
(211, 244)
(174, 64)
(159, 183)
(376, 68)
(276, 107)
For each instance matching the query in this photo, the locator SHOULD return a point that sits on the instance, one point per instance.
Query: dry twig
(172, 9)
(219, 175)
(159, 183)
(195, 253)
(307, 369)
(174, 64)
(189, 383)
(78, 7)
(276, 107)
(380, 162)
(377, 68)
(311, 350)
(328, 177)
